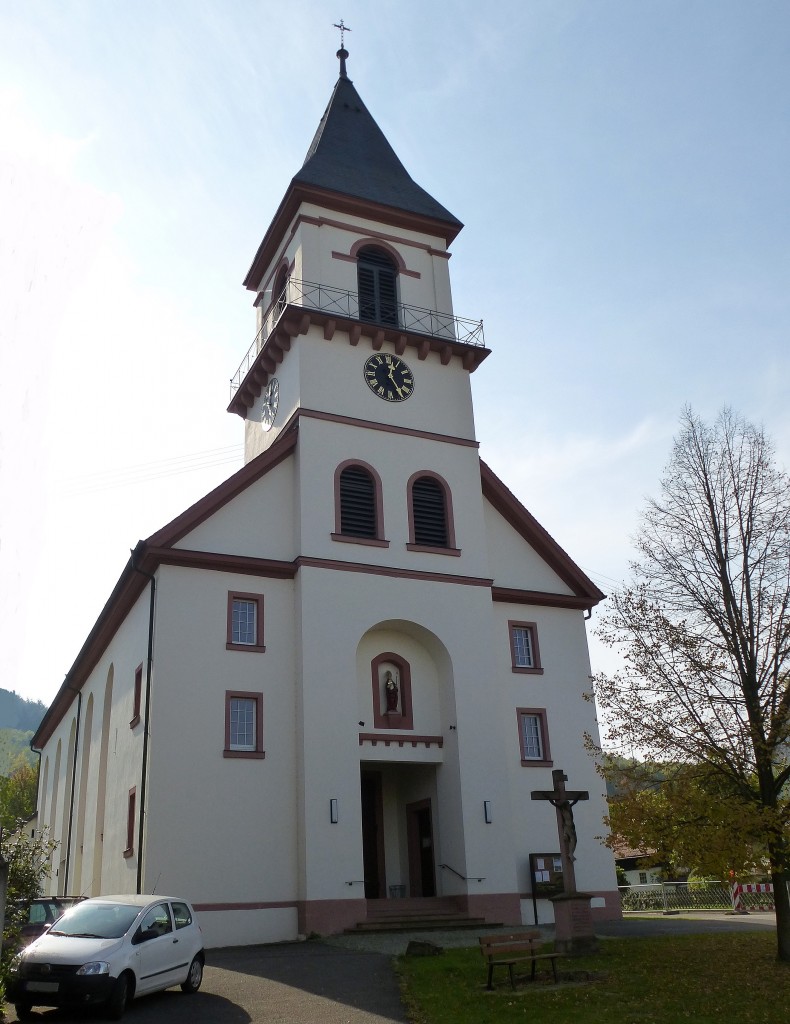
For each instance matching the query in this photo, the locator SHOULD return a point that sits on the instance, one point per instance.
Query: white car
(108, 950)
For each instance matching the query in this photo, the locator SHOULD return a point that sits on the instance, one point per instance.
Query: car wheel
(23, 1011)
(119, 997)
(194, 977)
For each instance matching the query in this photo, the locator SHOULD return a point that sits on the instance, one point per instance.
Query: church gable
(257, 523)
(514, 562)
(524, 556)
(209, 507)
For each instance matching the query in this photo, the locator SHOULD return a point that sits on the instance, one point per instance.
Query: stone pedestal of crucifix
(573, 928)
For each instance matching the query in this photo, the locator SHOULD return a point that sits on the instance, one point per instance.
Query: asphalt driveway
(292, 983)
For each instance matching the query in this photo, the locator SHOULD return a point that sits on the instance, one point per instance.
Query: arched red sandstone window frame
(376, 511)
(403, 718)
(417, 529)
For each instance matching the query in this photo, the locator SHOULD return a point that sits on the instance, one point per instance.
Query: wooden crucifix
(563, 800)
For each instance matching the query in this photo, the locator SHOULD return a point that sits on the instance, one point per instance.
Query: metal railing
(668, 897)
(338, 302)
(464, 878)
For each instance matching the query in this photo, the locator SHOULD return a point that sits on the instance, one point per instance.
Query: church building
(325, 692)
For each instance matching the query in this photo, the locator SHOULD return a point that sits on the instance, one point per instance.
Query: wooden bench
(506, 950)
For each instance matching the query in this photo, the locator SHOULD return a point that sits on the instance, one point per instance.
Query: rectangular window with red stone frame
(533, 737)
(243, 724)
(524, 650)
(245, 622)
(137, 697)
(131, 814)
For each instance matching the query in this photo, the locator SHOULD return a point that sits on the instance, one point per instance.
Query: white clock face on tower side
(271, 399)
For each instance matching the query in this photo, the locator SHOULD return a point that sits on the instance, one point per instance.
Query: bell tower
(352, 291)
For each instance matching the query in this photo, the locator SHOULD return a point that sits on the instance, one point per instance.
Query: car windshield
(97, 920)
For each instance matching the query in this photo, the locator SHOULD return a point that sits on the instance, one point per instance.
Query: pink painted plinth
(573, 925)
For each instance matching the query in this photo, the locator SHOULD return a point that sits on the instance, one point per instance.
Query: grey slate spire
(350, 167)
(349, 154)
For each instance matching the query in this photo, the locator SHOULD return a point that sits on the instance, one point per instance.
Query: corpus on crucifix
(564, 800)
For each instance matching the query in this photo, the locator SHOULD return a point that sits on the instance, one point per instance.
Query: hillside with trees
(19, 719)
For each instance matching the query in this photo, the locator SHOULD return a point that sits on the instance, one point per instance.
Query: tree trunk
(780, 876)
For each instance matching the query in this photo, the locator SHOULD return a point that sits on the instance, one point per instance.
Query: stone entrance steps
(416, 914)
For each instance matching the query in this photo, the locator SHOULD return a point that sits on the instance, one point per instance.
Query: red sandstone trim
(529, 762)
(208, 908)
(299, 193)
(388, 428)
(380, 570)
(388, 738)
(355, 229)
(499, 907)
(377, 498)
(244, 565)
(328, 917)
(507, 595)
(383, 719)
(258, 752)
(532, 627)
(297, 320)
(257, 600)
(448, 514)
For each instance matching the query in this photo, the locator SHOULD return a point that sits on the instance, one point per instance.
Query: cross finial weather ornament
(342, 53)
(343, 28)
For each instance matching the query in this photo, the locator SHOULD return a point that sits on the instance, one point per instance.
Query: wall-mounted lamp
(333, 810)
(362, 724)
(453, 728)
(487, 812)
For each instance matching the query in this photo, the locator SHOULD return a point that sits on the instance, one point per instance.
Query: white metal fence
(674, 896)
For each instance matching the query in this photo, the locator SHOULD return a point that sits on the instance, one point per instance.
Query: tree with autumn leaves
(685, 819)
(703, 628)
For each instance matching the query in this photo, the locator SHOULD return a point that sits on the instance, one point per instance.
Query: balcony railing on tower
(346, 304)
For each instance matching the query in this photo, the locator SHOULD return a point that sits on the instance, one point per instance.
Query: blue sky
(622, 169)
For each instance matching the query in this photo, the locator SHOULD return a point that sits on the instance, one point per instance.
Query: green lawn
(709, 979)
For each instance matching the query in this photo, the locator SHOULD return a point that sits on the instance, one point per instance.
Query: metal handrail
(471, 878)
(338, 301)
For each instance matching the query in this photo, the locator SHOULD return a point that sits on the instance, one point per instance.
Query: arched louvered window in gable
(430, 513)
(357, 504)
(377, 285)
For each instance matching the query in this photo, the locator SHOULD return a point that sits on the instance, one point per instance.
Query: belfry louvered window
(357, 503)
(429, 511)
(279, 294)
(376, 281)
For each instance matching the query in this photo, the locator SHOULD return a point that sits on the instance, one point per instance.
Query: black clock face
(389, 377)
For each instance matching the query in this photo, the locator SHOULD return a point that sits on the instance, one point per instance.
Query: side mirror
(143, 936)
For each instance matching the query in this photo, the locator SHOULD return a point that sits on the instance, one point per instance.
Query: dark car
(34, 918)
(42, 913)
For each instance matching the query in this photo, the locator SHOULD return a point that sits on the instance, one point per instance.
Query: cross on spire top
(343, 28)
(342, 53)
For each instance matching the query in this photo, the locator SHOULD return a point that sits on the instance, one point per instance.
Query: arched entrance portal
(408, 777)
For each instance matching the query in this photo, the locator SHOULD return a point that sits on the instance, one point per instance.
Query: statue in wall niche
(391, 692)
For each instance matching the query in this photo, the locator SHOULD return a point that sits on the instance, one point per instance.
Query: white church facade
(329, 687)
